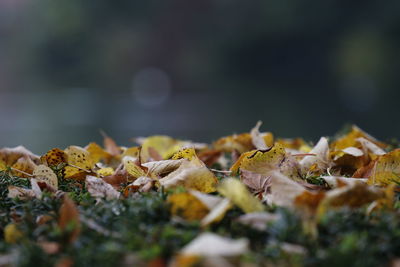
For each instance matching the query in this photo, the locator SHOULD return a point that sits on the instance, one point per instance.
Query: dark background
(195, 69)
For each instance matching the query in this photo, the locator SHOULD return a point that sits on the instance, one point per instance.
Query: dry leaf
(54, 157)
(23, 167)
(237, 192)
(209, 244)
(387, 169)
(283, 190)
(44, 174)
(257, 138)
(191, 176)
(69, 219)
(258, 183)
(163, 166)
(100, 189)
(258, 220)
(187, 206)
(111, 147)
(97, 153)
(8, 156)
(12, 234)
(320, 161)
(353, 195)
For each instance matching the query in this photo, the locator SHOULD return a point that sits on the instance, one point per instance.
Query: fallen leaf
(387, 169)
(209, 244)
(80, 163)
(320, 160)
(8, 156)
(257, 138)
(23, 167)
(111, 147)
(283, 190)
(44, 174)
(353, 195)
(191, 175)
(97, 153)
(187, 206)
(237, 192)
(12, 234)
(98, 188)
(258, 220)
(69, 221)
(163, 166)
(54, 157)
(258, 183)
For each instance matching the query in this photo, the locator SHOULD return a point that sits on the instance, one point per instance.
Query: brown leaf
(118, 178)
(69, 219)
(209, 157)
(110, 145)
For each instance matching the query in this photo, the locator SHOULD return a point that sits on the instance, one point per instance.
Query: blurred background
(195, 69)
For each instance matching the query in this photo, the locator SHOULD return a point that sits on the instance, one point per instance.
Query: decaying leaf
(386, 169)
(97, 153)
(12, 234)
(257, 138)
(258, 183)
(283, 190)
(163, 166)
(319, 161)
(353, 195)
(54, 157)
(237, 192)
(23, 167)
(258, 220)
(100, 189)
(44, 174)
(209, 244)
(165, 146)
(265, 161)
(8, 156)
(191, 176)
(350, 139)
(68, 220)
(80, 163)
(187, 206)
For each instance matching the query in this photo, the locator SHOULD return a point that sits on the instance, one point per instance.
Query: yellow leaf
(105, 171)
(163, 145)
(387, 169)
(79, 157)
(22, 166)
(191, 175)
(133, 169)
(12, 234)
(44, 174)
(79, 161)
(260, 161)
(187, 206)
(186, 153)
(350, 139)
(54, 157)
(97, 153)
(353, 195)
(237, 192)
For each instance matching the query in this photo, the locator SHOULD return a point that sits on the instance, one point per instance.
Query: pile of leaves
(245, 200)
